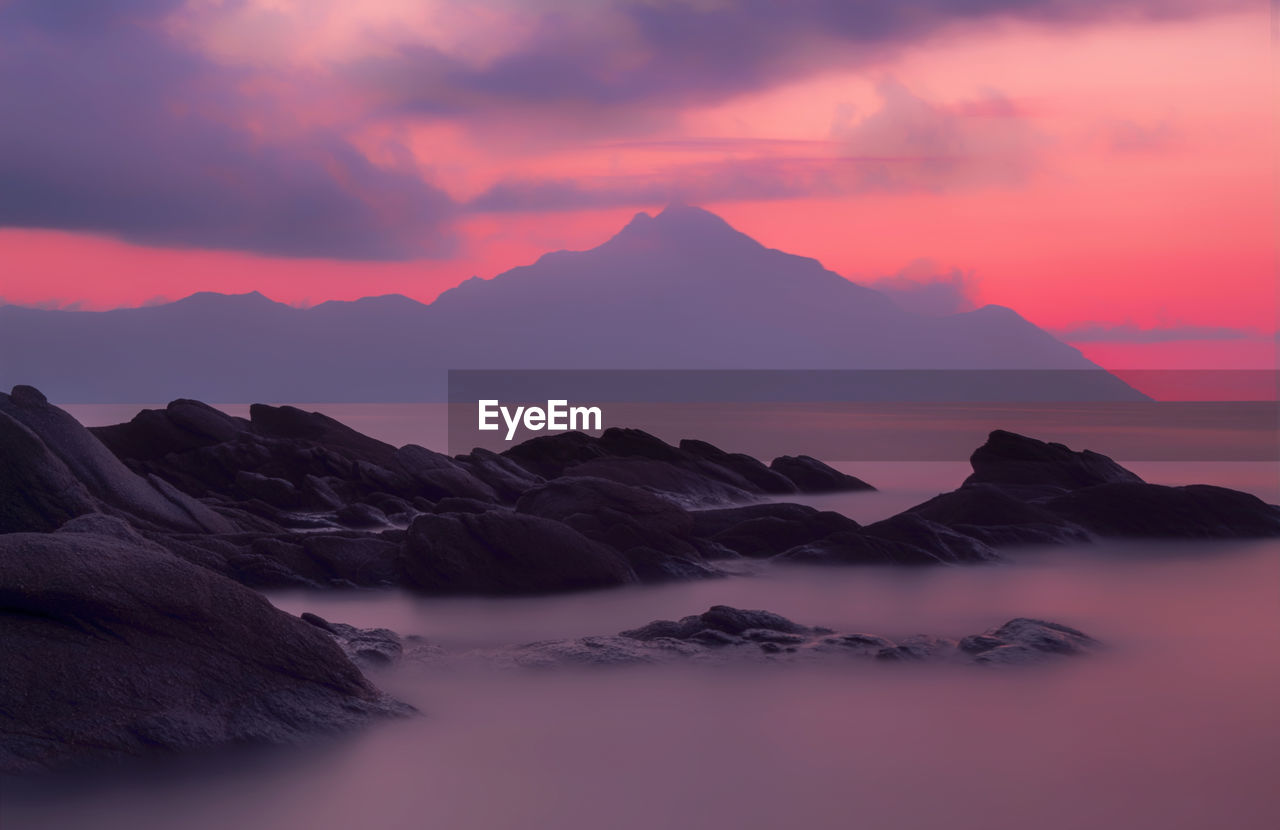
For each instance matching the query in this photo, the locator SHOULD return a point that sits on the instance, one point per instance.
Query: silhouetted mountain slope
(678, 290)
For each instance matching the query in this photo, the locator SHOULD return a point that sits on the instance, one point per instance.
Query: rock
(357, 558)
(507, 478)
(722, 618)
(751, 469)
(1158, 512)
(276, 492)
(723, 634)
(696, 472)
(502, 552)
(1011, 459)
(764, 530)
(97, 473)
(862, 548)
(37, 490)
(366, 647)
(812, 476)
(1024, 640)
(291, 423)
(360, 515)
(939, 541)
(461, 505)
(439, 476)
(114, 650)
(997, 518)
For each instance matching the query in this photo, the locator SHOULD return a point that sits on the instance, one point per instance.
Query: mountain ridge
(682, 289)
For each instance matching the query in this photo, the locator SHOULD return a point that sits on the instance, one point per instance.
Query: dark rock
(1154, 511)
(506, 477)
(114, 649)
(860, 548)
(712, 637)
(941, 542)
(276, 492)
(37, 491)
(719, 636)
(992, 515)
(358, 558)
(696, 472)
(461, 505)
(502, 552)
(763, 530)
(358, 514)
(439, 476)
(366, 647)
(1011, 459)
(751, 469)
(721, 618)
(87, 467)
(291, 423)
(812, 476)
(918, 647)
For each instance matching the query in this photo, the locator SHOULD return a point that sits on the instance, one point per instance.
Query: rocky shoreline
(131, 558)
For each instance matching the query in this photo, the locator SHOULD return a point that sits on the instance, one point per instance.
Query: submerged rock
(724, 634)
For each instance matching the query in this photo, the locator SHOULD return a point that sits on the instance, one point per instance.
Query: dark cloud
(111, 127)
(923, 288)
(667, 55)
(1097, 332)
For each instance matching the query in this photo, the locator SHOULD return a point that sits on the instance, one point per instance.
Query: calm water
(1175, 725)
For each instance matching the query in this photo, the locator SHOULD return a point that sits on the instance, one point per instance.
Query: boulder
(812, 476)
(1154, 511)
(502, 552)
(439, 476)
(990, 514)
(114, 649)
(98, 473)
(942, 542)
(1011, 459)
(764, 530)
(753, 470)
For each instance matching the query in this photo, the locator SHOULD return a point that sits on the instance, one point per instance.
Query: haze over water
(1172, 726)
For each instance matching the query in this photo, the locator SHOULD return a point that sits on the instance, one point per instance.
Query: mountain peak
(682, 225)
(250, 299)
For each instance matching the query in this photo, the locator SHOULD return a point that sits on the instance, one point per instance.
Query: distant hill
(680, 290)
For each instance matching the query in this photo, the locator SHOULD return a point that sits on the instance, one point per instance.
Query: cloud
(907, 144)
(923, 288)
(118, 118)
(1099, 332)
(628, 55)
(111, 127)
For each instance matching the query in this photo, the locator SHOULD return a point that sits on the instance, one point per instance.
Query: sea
(1172, 725)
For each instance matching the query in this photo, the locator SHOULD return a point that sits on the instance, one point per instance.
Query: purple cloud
(111, 127)
(907, 144)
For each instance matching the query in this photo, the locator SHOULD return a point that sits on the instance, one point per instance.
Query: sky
(1106, 169)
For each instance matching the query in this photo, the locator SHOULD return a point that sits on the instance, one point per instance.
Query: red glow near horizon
(1120, 183)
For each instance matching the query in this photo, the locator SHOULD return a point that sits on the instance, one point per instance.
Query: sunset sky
(1107, 169)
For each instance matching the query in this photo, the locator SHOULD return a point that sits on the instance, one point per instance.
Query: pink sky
(1111, 174)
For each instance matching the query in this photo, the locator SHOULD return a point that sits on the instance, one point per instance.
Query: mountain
(679, 290)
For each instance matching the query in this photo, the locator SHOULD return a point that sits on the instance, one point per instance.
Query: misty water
(1173, 725)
